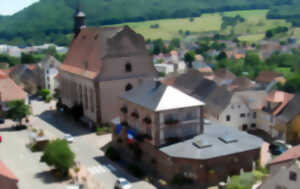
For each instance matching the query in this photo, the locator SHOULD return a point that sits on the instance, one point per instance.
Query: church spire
(79, 20)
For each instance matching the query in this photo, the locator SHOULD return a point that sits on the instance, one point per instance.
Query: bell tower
(79, 20)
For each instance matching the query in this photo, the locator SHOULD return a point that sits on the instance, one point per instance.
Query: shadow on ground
(116, 168)
(262, 134)
(48, 177)
(64, 123)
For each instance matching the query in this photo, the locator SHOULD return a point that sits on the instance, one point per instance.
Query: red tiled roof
(9, 90)
(31, 66)
(6, 172)
(279, 97)
(87, 50)
(267, 76)
(293, 153)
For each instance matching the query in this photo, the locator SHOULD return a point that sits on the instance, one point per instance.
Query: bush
(135, 170)
(113, 154)
(58, 154)
(44, 93)
(48, 99)
(181, 180)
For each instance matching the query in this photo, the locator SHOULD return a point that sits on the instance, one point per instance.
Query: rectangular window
(293, 176)
(92, 100)
(228, 118)
(191, 115)
(254, 115)
(242, 115)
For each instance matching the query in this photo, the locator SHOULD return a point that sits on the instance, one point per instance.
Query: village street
(87, 146)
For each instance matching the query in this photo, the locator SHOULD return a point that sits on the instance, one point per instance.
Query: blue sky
(8, 7)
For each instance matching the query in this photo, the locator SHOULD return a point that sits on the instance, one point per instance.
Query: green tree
(27, 58)
(222, 56)
(189, 58)
(175, 42)
(45, 93)
(17, 110)
(159, 47)
(58, 154)
(51, 50)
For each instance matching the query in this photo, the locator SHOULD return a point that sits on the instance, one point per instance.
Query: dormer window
(128, 87)
(128, 67)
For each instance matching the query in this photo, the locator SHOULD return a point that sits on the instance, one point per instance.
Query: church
(101, 64)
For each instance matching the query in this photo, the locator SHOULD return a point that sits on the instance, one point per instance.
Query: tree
(58, 154)
(45, 93)
(175, 42)
(27, 58)
(159, 47)
(189, 58)
(51, 50)
(221, 56)
(17, 110)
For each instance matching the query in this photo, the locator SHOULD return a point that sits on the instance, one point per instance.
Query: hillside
(253, 29)
(50, 21)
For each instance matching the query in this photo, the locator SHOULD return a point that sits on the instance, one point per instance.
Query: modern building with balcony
(163, 130)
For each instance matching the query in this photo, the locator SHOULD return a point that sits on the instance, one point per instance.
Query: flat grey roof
(212, 134)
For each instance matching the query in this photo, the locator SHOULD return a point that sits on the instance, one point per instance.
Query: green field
(253, 29)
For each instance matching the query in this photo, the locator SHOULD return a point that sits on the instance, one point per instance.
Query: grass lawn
(169, 28)
(251, 30)
(252, 37)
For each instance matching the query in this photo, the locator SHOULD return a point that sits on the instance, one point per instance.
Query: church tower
(79, 20)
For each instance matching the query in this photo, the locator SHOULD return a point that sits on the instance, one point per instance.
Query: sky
(9, 7)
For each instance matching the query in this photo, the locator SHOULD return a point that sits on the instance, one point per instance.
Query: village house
(101, 64)
(241, 84)
(171, 138)
(197, 85)
(7, 179)
(10, 91)
(284, 160)
(267, 79)
(46, 72)
(272, 118)
(287, 177)
(243, 110)
(223, 77)
(24, 75)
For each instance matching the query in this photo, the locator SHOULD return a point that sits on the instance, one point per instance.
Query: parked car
(69, 138)
(0, 139)
(2, 120)
(278, 147)
(122, 183)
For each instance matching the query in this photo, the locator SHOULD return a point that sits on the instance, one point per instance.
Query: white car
(69, 138)
(122, 183)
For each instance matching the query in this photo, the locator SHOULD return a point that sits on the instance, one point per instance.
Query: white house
(164, 68)
(243, 109)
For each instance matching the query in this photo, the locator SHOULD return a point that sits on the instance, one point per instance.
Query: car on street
(2, 121)
(122, 183)
(69, 138)
(278, 147)
(0, 139)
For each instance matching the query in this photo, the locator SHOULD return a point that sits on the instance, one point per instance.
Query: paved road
(87, 147)
(24, 164)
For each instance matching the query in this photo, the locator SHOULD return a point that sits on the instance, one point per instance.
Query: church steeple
(79, 20)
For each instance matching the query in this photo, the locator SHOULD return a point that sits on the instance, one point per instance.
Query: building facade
(170, 137)
(101, 64)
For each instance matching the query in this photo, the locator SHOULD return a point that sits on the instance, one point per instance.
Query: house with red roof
(9, 90)
(286, 159)
(7, 179)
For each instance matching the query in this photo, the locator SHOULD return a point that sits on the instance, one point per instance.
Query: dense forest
(50, 21)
